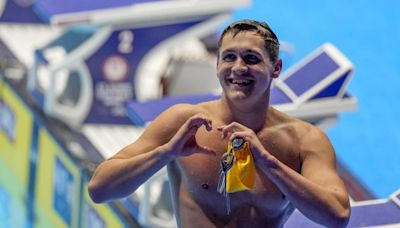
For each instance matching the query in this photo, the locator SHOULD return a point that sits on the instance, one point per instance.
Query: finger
(208, 124)
(225, 130)
(235, 135)
(198, 120)
(240, 134)
(191, 132)
(204, 121)
(221, 129)
(230, 128)
(192, 125)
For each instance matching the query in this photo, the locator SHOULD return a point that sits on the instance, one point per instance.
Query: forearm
(323, 204)
(119, 177)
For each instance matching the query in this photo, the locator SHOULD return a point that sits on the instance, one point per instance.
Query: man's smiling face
(244, 68)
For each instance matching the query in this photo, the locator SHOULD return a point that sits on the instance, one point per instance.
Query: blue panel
(49, 8)
(63, 191)
(278, 97)
(374, 215)
(333, 89)
(311, 74)
(379, 214)
(38, 97)
(19, 11)
(73, 37)
(141, 113)
(7, 121)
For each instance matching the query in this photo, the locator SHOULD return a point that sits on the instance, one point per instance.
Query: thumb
(187, 136)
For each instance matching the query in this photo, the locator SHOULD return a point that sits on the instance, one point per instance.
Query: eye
(229, 57)
(251, 59)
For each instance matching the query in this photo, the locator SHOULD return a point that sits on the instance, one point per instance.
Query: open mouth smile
(241, 82)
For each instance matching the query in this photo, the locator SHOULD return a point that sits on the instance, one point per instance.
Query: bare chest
(200, 174)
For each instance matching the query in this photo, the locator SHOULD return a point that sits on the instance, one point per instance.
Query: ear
(277, 68)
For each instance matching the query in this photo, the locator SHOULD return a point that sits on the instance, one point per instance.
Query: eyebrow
(234, 50)
(246, 51)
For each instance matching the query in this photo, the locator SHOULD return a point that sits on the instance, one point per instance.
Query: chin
(239, 96)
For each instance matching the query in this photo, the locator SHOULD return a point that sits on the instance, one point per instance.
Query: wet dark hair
(271, 40)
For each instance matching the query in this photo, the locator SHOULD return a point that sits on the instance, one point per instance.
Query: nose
(240, 67)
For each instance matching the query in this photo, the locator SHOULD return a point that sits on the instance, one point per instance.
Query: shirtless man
(295, 161)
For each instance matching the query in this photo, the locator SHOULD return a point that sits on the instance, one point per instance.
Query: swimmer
(295, 166)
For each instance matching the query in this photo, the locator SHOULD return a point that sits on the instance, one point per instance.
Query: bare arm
(317, 191)
(171, 135)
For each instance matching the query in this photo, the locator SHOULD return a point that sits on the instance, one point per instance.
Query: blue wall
(368, 33)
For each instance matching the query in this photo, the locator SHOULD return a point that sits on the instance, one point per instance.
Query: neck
(252, 114)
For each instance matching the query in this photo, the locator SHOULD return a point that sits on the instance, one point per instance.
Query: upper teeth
(239, 81)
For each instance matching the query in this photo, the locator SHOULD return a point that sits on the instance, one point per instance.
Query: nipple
(204, 186)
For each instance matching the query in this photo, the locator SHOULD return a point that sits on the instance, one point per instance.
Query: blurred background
(82, 79)
(367, 141)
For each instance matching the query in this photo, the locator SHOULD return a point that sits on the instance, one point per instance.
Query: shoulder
(180, 110)
(313, 142)
(289, 125)
(311, 136)
(160, 130)
(298, 127)
(168, 122)
(179, 113)
(306, 136)
(172, 118)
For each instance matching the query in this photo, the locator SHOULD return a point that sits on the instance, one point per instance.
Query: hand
(235, 129)
(184, 143)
